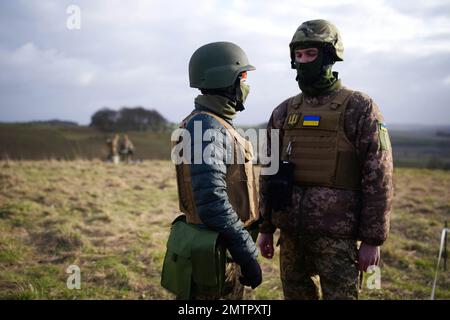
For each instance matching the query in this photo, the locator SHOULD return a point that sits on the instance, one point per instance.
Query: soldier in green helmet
(221, 195)
(334, 188)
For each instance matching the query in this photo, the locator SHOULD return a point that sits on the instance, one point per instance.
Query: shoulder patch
(385, 141)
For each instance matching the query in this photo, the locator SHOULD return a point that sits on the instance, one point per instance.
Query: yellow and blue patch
(311, 121)
(385, 141)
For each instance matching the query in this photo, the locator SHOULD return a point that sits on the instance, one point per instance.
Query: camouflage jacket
(362, 215)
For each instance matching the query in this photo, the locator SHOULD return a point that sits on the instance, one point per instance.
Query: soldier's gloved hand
(265, 243)
(251, 274)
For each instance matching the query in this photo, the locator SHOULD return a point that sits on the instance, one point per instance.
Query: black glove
(251, 274)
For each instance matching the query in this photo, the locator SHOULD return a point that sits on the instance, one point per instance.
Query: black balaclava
(316, 77)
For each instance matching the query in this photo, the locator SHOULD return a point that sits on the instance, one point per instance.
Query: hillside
(426, 147)
(38, 142)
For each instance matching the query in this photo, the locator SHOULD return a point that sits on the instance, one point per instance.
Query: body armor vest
(240, 179)
(314, 140)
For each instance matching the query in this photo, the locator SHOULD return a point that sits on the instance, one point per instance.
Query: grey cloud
(138, 53)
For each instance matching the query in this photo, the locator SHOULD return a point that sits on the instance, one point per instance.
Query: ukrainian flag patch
(385, 141)
(311, 121)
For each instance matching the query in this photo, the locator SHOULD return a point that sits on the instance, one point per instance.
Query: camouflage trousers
(319, 267)
(233, 289)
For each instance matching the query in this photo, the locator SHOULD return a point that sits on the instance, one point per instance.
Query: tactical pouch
(281, 185)
(194, 263)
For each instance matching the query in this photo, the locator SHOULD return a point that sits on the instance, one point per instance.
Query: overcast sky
(130, 53)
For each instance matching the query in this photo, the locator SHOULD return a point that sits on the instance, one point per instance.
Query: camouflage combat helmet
(318, 32)
(217, 65)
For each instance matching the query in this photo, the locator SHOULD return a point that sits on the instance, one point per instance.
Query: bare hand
(265, 243)
(368, 256)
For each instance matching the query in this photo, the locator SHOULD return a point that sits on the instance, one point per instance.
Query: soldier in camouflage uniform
(341, 189)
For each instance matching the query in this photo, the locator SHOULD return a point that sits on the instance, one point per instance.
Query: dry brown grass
(113, 222)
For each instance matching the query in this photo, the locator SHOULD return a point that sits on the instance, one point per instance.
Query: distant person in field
(112, 144)
(126, 149)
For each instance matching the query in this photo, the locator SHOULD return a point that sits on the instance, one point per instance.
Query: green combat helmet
(318, 32)
(217, 65)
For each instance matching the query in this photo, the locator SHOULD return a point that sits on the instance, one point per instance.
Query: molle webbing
(320, 150)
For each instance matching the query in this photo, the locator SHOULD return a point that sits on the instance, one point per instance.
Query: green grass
(113, 222)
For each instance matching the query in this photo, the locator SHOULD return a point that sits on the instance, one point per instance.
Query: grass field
(113, 222)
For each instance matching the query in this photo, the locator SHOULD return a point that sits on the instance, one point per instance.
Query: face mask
(310, 72)
(242, 92)
(316, 77)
